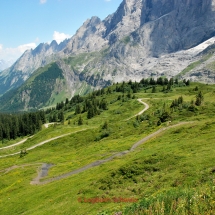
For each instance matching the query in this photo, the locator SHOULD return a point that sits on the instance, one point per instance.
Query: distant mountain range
(143, 38)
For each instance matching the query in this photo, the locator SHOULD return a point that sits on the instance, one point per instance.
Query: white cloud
(43, 1)
(23, 48)
(107, 0)
(12, 54)
(59, 37)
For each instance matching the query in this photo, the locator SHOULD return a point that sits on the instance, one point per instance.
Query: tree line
(18, 125)
(93, 105)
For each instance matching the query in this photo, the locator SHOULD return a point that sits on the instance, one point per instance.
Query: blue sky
(26, 23)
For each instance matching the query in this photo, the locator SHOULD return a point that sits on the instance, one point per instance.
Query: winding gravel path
(37, 181)
(46, 141)
(16, 144)
(45, 167)
(16, 167)
(22, 141)
(42, 143)
(142, 111)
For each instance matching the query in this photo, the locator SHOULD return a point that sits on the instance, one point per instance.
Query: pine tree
(61, 116)
(199, 99)
(146, 82)
(152, 81)
(129, 95)
(153, 89)
(188, 82)
(14, 128)
(176, 81)
(42, 116)
(90, 113)
(166, 81)
(77, 109)
(142, 81)
(180, 100)
(168, 87)
(171, 81)
(103, 105)
(6, 130)
(50, 118)
(196, 88)
(54, 119)
(1, 132)
(160, 81)
(80, 121)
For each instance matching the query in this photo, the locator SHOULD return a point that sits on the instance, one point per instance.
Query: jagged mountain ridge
(142, 38)
(30, 61)
(167, 23)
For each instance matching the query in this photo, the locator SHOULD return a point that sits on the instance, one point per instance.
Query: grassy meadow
(172, 173)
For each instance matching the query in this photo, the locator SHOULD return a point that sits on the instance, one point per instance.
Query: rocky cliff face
(88, 38)
(148, 38)
(142, 38)
(183, 25)
(169, 25)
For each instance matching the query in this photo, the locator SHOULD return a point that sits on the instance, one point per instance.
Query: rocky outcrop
(88, 38)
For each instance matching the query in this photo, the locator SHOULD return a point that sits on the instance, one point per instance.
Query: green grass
(57, 98)
(163, 173)
(76, 61)
(84, 89)
(211, 66)
(126, 39)
(36, 91)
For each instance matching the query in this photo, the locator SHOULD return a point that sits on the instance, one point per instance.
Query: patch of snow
(202, 46)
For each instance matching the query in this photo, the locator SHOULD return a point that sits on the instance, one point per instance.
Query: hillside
(162, 172)
(54, 82)
(28, 63)
(45, 87)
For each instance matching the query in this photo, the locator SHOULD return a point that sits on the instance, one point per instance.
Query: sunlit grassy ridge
(163, 174)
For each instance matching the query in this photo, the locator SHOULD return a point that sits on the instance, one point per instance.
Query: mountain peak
(94, 20)
(54, 43)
